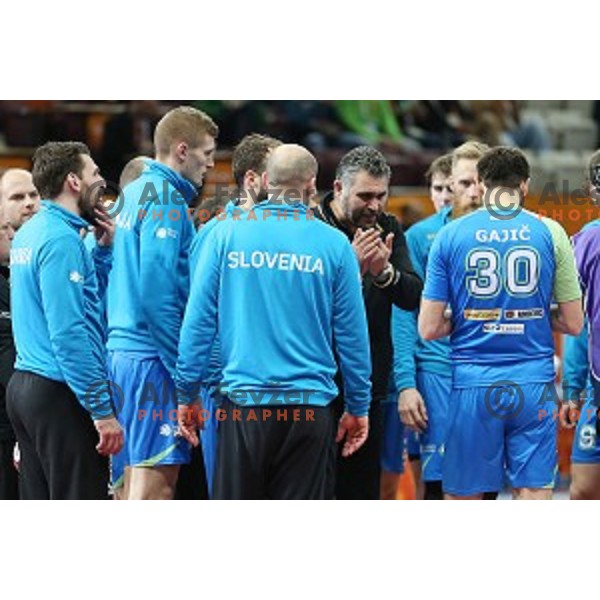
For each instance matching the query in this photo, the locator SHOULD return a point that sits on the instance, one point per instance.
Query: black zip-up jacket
(7, 352)
(405, 293)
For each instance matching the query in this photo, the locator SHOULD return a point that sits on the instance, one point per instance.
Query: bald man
(18, 196)
(283, 290)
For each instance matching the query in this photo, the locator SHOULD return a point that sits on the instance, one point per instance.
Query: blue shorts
(586, 445)
(413, 445)
(147, 410)
(211, 401)
(392, 452)
(493, 434)
(435, 390)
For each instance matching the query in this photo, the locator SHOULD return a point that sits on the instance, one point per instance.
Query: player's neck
(68, 202)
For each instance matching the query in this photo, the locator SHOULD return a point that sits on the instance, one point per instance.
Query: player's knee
(579, 491)
(532, 494)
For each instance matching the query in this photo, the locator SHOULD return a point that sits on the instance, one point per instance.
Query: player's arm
(161, 304)
(351, 339)
(411, 406)
(199, 326)
(406, 285)
(102, 257)
(568, 318)
(61, 269)
(575, 365)
(434, 321)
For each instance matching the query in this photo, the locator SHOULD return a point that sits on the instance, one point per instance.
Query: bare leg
(389, 485)
(585, 482)
(153, 483)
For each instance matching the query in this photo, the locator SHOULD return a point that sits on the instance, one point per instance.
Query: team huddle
(273, 346)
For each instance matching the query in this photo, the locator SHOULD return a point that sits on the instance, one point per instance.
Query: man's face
(20, 198)
(364, 200)
(198, 160)
(441, 191)
(467, 189)
(92, 188)
(6, 236)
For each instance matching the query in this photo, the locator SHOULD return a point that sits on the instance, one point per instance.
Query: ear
(525, 187)
(181, 151)
(311, 189)
(337, 188)
(73, 182)
(265, 180)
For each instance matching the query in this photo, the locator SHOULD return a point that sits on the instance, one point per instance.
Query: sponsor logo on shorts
(524, 313)
(166, 430)
(504, 328)
(490, 314)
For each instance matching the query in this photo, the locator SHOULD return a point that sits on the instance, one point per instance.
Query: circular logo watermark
(503, 203)
(504, 400)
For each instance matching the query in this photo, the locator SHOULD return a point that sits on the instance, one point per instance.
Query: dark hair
(52, 162)
(503, 167)
(442, 164)
(594, 161)
(363, 158)
(251, 155)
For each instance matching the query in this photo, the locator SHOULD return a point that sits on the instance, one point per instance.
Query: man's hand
(111, 436)
(104, 229)
(568, 413)
(189, 422)
(411, 408)
(355, 431)
(379, 256)
(364, 243)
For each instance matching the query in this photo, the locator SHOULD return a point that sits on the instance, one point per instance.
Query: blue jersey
(149, 282)
(283, 290)
(56, 307)
(214, 369)
(411, 352)
(499, 278)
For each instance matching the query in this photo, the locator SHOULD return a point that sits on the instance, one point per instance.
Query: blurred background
(558, 137)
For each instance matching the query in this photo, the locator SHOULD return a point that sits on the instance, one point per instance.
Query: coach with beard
(356, 207)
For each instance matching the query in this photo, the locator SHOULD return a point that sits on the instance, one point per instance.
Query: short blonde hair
(183, 124)
(469, 151)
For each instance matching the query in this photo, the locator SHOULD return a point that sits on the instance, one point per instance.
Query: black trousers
(274, 452)
(358, 476)
(57, 440)
(9, 476)
(191, 483)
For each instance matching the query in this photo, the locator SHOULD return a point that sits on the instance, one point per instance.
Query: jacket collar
(185, 187)
(75, 221)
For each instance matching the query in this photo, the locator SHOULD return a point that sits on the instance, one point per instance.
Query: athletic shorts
(435, 390)
(586, 443)
(146, 403)
(495, 432)
(392, 452)
(413, 445)
(211, 401)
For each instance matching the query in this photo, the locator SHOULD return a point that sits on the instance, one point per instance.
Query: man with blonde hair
(147, 293)
(422, 370)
